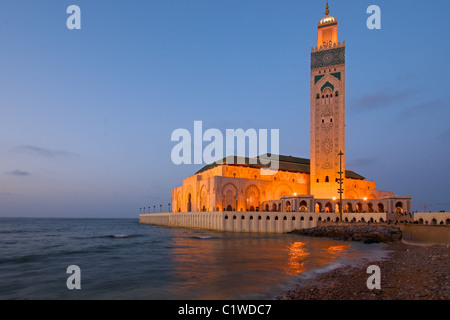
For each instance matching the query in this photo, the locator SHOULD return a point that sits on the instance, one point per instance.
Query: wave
(114, 236)
(122, 236)
(202, 237)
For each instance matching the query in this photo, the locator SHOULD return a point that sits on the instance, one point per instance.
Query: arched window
(399, 207)
(359, 207)
(189, 203)
(327, 179)
(288, 206)
(337, 94)
(303, 206)
(348, 207)
(318, 207)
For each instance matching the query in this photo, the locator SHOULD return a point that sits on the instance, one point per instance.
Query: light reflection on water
(228, 265)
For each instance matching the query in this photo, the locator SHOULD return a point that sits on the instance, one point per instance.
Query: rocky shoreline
(410, 272)
(370, 233)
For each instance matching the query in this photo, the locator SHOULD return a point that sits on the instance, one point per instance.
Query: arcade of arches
(227, 187)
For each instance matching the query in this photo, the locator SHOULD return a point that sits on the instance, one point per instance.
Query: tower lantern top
(327, 30)
(327, 19)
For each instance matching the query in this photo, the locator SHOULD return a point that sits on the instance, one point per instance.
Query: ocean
(122, 259)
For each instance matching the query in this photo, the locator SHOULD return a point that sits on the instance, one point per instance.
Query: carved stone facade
(235, 187)
(300, 184)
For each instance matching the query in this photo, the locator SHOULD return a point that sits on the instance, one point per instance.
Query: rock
(363, 233)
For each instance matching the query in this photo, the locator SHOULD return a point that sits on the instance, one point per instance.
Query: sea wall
(425, 234)
(441, 218)
(270, 222)
(192, 220)
(250, 221)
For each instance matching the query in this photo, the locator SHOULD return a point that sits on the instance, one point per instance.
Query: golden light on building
(235, 183)
(327, 31)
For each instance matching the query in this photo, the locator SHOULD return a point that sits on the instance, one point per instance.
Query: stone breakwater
(361, 233)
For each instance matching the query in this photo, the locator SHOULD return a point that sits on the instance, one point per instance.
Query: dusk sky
(86, 116)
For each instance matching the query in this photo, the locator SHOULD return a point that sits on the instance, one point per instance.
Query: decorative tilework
(337, 75)
(317, 78)
(327, 84)
(327, 58)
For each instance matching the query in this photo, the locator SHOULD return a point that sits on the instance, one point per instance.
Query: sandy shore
(410, 273)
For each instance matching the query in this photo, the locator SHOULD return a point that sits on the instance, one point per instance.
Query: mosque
(319, 184)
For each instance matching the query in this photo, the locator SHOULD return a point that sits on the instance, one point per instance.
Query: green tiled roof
(285, 163)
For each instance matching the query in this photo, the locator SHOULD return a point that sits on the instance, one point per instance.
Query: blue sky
(87, 115)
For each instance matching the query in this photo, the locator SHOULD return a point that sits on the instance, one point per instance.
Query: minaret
(327, 109)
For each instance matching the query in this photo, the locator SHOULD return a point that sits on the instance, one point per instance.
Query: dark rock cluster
(363, 233)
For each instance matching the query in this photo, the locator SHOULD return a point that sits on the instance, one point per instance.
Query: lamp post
(340, 190)
(160, 208)
(168, 206)
(154, 208)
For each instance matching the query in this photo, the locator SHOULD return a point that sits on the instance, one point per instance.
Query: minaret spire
(327, 12)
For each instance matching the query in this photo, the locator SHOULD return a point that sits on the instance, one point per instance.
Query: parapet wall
(425, 234)
(251, 221)
(442, 218)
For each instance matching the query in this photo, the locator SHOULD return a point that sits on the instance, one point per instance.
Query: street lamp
(154, 208)
(340, 190)
(160, 208)
(169, 206)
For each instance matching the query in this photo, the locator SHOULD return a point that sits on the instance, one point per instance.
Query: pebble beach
(411, 272)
